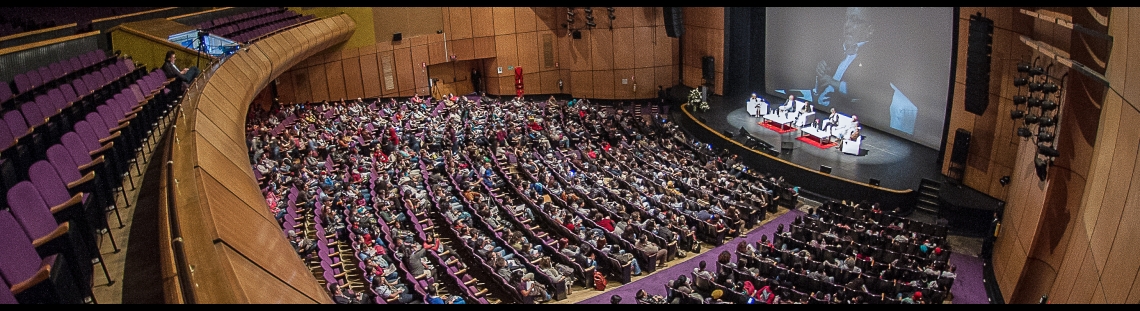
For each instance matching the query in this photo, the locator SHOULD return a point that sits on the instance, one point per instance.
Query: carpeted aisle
(968, 287)
(655, 283)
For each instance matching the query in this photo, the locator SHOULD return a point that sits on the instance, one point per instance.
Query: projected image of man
(832, 84)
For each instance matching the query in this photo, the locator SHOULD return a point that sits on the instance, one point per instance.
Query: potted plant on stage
(695, 100)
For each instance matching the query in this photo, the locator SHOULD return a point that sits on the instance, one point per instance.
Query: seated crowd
(475, 200)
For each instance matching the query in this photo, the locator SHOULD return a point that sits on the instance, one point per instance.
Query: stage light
(612, 15)
(1035, 87)
(1024, 132)
(591, 24)
(1037, 71)
(1004, 180)
(1044, 137)
(1023, 68)
(1033, 102)
(1047, 151)
(1042, 168)
(589, 11)
(1046, 121)
(1031, 118)
(1049, 88)
(1019, 99)
(1016, 114)
(1019, 82)
(1048, 105)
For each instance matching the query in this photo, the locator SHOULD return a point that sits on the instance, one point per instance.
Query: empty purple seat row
(208, 25)
(34, 78)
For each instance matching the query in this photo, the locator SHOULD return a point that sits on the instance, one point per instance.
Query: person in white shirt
(788, 105)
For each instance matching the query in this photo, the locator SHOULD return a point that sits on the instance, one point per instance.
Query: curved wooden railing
(832, 186)
(223, 245)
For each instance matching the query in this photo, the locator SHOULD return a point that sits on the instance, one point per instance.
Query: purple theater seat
(34, 78)
(80, 86)
(16, 124)
(57, 70)
(47, 108)
(6, 138)
(58, 100)
(69, 95)
(46, 74)
(23, 82)
(32, 114)
(20, 266)
(76, 64)
(78, 151)
(6, 297)
(53, 189)
(5, 92)
(34, 215)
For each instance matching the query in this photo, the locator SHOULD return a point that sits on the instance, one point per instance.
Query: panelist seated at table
(852, 142)
(788, 106)
(804, 112)
(756, 106)
(831, 121)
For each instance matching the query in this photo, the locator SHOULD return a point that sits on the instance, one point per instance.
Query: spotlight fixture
(1048, 105)
(612, 15)
(1049, 87)
(591, 24)
(1024, 132)
(1031, 118)
(1019, 82)
(1046, 121)
(1047, 151)
(1023, 68)
(1033, 102)
(1004, 180)
(589, 11)
(1016, 114)
(1034, 87)
(1044, 137)
(1037, 71)
(1042, 168)
(1019, 100)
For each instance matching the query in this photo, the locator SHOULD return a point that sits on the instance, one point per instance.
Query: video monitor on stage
(889, 66)
(208, 43)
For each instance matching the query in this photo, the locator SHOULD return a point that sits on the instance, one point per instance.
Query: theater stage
(898, 163)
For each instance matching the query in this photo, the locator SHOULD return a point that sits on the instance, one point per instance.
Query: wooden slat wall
(636, 49)
(236, 248)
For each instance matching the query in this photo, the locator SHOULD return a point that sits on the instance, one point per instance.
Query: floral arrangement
(695, 100)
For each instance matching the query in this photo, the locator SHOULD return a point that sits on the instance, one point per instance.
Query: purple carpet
(655, 284)
(968, 287)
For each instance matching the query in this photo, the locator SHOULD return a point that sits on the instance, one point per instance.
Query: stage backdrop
(888, 66)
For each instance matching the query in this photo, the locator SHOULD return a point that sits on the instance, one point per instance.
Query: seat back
(76, 148)
(30, 210)
(52, 188)
(19, 261)
(65, 166)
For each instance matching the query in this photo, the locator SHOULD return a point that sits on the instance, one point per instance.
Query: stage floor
(897, 162)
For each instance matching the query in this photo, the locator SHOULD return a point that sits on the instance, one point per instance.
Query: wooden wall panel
(603, 83)
(663, 49)
(334, 75)
(602, 50)
(525, 20)
(370, 75)
(463, 49)
(580, 54)
(285, 89)
(405, 79)
(419, 72)
(482, 22)
(549, 80)
(353, 81)
(624, 48)
(436, 54)
(529, 50)
(504, 20)
(663, 76)
(461, 22)
(623, 91)
(301, 87)
(644, 54)
(583, 84)
(318, 83)
(646, 83)
(506, 52)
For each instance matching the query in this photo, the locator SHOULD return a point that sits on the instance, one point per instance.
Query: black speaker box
(398, 36)
(978, 64)
(674, 24)
(708, 68)
(961, 149)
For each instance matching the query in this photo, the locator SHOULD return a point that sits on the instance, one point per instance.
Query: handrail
(702, 124)
(231, 249)
(35, 32)
(198, 13)
(162, 41)
(98, 20)
(37, 44)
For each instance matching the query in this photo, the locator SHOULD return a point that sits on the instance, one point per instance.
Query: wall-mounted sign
(500, 70)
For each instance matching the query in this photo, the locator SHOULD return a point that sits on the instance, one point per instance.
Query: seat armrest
(104, 140)
(87, 167)
(42, 275)
(81, 181)
(59, 231)
(74, 200)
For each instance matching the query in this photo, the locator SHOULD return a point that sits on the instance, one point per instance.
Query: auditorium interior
(770, 155)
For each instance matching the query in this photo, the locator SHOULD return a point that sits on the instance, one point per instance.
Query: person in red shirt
(606, 223)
